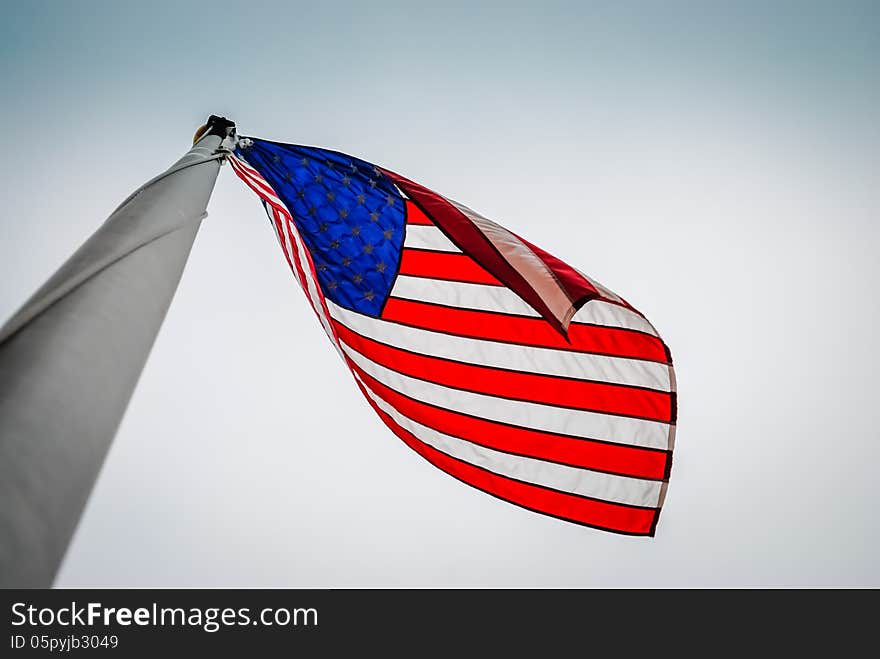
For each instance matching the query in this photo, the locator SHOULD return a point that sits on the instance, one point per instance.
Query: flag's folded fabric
(495, 361)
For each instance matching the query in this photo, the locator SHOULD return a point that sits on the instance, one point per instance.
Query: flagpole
(71, 357)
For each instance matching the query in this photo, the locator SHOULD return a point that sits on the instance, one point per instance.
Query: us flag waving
(495, 361)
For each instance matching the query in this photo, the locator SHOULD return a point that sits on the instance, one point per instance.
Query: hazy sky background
(716, 163)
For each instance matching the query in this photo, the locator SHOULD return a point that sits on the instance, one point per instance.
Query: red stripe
(444, 265)
(461, 267)
(632, 461)
(524, 330)
(528, 387)
(570, 507)
(414, 215)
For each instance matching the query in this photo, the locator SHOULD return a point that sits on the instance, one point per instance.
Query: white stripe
(399, 191)
(422, 236)
(504, 300)
(546, 361)
(548, 418)
(608, 487)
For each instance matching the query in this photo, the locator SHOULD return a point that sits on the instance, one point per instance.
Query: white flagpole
(71, 357)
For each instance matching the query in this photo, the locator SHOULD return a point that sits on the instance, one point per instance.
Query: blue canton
(350, 216)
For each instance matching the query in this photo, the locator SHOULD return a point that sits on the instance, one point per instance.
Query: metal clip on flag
(71, 357)
(494, 360)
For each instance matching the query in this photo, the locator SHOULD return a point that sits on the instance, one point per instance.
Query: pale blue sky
(714, 162)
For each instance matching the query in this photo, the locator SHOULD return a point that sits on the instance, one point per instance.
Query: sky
(717, 164)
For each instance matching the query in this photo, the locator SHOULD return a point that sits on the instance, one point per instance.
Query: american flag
(495, 361)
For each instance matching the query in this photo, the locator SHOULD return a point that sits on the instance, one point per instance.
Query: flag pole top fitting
(220, 126)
